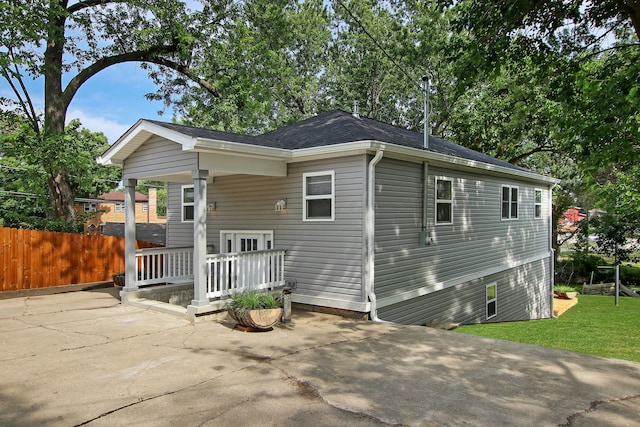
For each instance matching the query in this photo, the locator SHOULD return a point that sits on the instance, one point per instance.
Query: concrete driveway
(83, 359)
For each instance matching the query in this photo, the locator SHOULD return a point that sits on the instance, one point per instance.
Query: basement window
(492, 300)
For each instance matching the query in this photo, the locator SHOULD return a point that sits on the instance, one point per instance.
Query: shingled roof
(339, 127)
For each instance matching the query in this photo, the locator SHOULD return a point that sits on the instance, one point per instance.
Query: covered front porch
(155, 152)
(166, 275)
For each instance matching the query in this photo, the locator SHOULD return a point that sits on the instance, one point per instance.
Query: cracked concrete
(83, 359)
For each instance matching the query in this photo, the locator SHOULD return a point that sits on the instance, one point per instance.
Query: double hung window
(537, 205)
(444, 201)
(318, 194)
(509, 202)
(188, 203)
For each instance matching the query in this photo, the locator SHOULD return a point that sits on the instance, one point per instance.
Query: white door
(248, 271)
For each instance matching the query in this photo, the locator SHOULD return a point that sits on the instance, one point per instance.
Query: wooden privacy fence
(41, 259)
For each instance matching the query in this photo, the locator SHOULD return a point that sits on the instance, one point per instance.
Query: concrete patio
(81, 358)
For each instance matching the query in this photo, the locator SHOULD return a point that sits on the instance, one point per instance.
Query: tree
(28, 162)
(56, 39)
(270, 72)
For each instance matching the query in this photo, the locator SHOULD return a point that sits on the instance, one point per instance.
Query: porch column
(200, 238)
(130, 235)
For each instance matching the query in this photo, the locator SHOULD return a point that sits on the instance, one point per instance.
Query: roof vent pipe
(425, 91)
(356, 109)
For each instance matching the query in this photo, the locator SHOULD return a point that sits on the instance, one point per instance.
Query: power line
(375, 41)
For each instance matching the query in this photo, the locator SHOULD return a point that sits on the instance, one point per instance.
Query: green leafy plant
(564, 288)
(253, 300)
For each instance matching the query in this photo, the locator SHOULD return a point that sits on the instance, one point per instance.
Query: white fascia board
(204, 145)
(411, 154)
(136, 136)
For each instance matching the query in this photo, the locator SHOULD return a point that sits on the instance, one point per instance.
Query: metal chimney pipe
(425, 91)
(356, 109)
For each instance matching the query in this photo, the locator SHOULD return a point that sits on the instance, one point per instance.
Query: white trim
(417, 155)
(438, 286)
(510, 201)
(331, 197)
(299, 298)
(443, 201)
(183, 204)
(488, 301)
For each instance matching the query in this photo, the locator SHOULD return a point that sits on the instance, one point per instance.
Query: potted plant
(255, 310)
(118, 279)
(565, 292)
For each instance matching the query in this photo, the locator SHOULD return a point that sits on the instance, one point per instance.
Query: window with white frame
(509, 202)
(90, 207)
(318, 194)
(492, 300)
(537, 204)
(444, 201)
(119, 207)
(188, 203)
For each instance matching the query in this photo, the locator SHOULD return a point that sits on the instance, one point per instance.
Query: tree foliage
(78, 40)
(30, 160)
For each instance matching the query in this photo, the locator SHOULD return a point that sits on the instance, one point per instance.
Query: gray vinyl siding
(477, 241)
(324, 257)
(522, 294)
(179, 234)
(159, 155)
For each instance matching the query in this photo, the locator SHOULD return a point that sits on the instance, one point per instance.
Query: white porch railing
(161, 265)
(226, 273)
(235, 272)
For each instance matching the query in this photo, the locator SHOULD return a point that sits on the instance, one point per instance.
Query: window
(318, 196)
(537, 204)
(119, 207)
(509, 202)
(90, 207)
(188, 203)
(444, 201)
(492, 300)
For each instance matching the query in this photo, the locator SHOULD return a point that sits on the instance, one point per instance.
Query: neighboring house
(108, 209)
(358, 214)
(574, 215)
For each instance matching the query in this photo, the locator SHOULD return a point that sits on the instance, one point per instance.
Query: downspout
(370, 235)
(552, 261)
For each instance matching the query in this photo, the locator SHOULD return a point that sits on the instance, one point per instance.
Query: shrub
(253, 300)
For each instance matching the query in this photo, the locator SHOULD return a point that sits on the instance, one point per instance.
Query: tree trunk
(61, 193)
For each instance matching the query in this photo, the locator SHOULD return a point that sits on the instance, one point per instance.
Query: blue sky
(110, 102)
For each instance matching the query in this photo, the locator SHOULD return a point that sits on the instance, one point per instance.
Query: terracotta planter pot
(257, 319)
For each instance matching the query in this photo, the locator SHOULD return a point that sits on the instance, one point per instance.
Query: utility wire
(375, 41)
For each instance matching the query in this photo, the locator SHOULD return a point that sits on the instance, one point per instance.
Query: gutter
(370, 235)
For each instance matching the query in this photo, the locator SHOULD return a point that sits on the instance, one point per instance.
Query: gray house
(358, 214)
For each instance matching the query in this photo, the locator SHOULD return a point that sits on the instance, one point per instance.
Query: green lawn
(595, 326)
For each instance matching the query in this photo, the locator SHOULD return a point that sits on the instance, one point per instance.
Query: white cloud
(112, 129)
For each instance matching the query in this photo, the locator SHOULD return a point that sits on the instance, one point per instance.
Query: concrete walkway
(83, 359)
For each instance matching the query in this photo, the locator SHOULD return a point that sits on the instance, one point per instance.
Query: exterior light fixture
(281, 205)
(211, 207)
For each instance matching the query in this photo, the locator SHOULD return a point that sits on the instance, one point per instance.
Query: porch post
(200, 238)
(130, 235)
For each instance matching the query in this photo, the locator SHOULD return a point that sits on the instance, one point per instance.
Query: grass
(593, 326)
